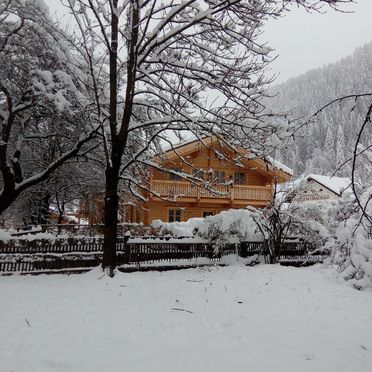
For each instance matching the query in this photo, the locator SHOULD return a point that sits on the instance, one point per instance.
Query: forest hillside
(322, 146)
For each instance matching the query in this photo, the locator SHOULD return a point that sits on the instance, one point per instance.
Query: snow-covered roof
(277, 164)
(335, 184)
(176, 143)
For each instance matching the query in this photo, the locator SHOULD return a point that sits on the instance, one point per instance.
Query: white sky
(305, 41)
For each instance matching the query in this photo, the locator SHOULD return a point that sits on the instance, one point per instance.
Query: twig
(178, 309)
(27, 322)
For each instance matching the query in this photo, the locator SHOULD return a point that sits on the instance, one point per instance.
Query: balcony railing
(180, 189)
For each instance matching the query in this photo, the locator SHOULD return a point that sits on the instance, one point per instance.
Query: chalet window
(219, 177)
(239, 178)
(198, 173)
(175, 177)
(208, 213)
(174, 215)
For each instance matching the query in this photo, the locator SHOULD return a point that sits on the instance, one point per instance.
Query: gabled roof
(268, 165)
(335, 184)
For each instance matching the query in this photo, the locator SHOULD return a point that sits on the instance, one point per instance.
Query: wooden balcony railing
(181, 189)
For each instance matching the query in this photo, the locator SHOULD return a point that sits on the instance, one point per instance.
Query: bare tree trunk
(113, 159)
(274, 249)
(118, 137)
(111, 212)
(7, 197)
(8, 194)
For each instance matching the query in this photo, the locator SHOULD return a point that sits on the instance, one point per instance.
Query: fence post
(127, 248)
(127, 253)
(242, 250)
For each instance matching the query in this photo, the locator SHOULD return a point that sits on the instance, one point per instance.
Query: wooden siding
(206, 160)
(190, 208)
(169, 193)
(159, 211)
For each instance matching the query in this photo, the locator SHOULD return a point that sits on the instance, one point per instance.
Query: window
(175, 177)
(219, 177)
(174, 215)
(208, 213)
(239, 178)
(198, 173)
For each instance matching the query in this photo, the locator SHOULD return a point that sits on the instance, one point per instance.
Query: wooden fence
(80, 254)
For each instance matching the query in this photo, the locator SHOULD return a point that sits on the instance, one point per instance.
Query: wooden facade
(232, 181)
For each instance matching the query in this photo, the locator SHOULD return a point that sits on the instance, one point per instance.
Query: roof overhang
(263, 165)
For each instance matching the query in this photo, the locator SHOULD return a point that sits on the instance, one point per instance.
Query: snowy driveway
(265, 318)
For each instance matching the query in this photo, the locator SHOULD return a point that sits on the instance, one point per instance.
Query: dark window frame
(174, 215)
(238, 180)
(197, 173)
(175, 177)
(207, 213)
(219, 176)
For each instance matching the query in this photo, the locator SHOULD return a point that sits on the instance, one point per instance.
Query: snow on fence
(74, 254)
(89, 230)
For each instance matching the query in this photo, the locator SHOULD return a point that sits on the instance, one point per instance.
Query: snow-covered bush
(226, 227)
(284, 217)
(230, 226)
(353, 252)
(339, 226)
(186, 228)
(315, 222)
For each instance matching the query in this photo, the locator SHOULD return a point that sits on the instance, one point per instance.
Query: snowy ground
(265, 318)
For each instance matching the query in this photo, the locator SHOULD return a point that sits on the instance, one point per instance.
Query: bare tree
(275, 225)
(183, 66)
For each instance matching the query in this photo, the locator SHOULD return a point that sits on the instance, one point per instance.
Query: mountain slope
(322, 146)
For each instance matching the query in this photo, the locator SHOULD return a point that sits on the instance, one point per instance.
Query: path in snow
(265, 318)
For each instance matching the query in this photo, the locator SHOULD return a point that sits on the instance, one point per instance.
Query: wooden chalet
(232, 179)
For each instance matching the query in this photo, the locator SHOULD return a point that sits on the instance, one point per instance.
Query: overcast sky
(305, 41)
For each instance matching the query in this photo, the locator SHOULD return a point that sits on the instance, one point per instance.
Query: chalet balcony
(185, 191)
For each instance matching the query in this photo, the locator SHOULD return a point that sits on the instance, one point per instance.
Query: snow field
(235, 318)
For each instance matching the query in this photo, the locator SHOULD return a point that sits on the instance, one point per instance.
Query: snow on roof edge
(335, 184)
(277, 164)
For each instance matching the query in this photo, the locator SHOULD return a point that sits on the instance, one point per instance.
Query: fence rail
(72, 254)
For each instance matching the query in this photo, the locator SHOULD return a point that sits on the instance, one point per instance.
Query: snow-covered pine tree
(344, 169)
(304, 95)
